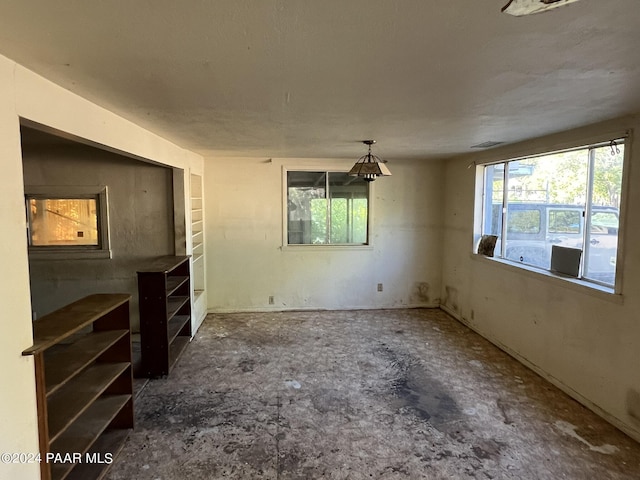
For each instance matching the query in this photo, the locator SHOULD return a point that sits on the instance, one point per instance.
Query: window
(569, 199)
(326, 208)
(63, 222)
(67, 222)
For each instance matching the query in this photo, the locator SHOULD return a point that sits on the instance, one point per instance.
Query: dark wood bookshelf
(164, 297)
(82, 356)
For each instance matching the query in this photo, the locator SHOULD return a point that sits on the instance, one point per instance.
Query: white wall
(24, 94)
(18, 421)
(246, 262)
(587, 344)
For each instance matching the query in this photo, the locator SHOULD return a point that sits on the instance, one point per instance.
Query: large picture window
(567, 199)
(327, 208)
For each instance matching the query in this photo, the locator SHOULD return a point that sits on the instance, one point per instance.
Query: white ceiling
(310, 78)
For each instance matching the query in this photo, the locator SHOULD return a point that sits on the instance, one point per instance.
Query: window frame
(286, 246)
(71, 252)
(610, 292)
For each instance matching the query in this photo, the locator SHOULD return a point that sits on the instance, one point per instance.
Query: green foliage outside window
(312, 219)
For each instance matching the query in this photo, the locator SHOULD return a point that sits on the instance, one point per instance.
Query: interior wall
(27, 96)
(247, 263)
(140, 220)
(18, 420)
(586, 343)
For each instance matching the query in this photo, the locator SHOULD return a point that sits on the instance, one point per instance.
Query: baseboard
(615, 421)
(316, 309)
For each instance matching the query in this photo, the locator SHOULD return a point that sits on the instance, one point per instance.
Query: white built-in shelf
(197, 242)
(197, 294)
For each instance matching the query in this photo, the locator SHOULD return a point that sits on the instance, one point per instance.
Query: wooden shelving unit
(83, 375)
(164, 294)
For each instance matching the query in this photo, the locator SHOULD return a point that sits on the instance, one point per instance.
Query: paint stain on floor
(404, 394)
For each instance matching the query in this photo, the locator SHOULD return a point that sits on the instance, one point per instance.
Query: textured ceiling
(310, 78)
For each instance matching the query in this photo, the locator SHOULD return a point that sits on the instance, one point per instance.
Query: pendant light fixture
(369, 166)
(520, 8)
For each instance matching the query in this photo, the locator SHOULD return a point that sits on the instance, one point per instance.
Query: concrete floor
(361, 394)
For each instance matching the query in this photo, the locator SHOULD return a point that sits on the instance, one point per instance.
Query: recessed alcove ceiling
(306, 78)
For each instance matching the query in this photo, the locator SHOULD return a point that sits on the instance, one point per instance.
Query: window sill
(70, 255)
(599, 291)
(323, 247)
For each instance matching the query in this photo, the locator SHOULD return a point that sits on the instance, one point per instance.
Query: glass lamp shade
(369, 167)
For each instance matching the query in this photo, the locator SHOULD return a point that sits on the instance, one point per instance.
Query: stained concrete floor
(378, 394)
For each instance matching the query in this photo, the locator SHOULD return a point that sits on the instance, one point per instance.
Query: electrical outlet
(270, 299)
(379, 287)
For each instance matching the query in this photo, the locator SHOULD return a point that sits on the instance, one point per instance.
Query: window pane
(349, 208)
(546, 201)
(63, 222)
(339, 220)
(306, 207)
(318, 221)
(602, 237)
